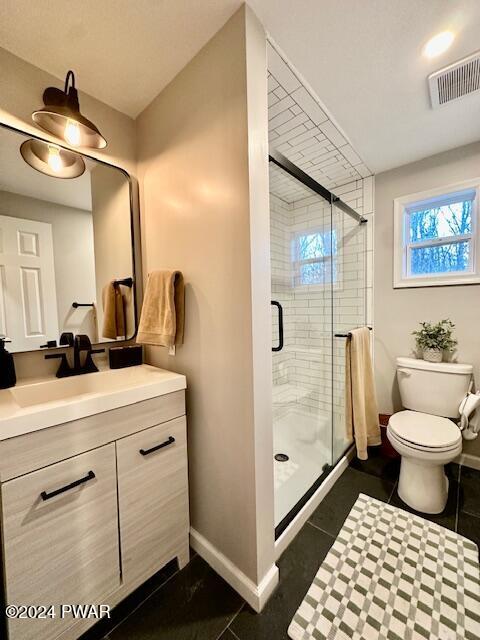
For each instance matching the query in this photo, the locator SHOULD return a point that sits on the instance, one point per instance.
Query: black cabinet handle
(167, 443)
(275, 303)
(46, 496)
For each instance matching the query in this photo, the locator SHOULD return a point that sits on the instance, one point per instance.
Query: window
(314, 257)
(436, 237)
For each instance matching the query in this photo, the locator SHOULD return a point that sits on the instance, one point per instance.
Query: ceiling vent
(455, 81)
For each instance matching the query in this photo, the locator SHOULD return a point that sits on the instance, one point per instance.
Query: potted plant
(433, 339)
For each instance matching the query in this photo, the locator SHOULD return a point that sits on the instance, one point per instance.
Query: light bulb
(72, 133)
(438, 44)
(54, 159)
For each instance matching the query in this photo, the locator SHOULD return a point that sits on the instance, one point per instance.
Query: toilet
(423, 434)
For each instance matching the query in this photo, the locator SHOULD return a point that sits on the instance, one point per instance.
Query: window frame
(297, 263)
(404, 207)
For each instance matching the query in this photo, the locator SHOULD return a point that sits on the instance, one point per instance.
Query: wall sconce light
(51, 159)
(61, 116)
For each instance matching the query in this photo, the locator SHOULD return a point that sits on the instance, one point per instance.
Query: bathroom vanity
(93, 464)
(94, 493)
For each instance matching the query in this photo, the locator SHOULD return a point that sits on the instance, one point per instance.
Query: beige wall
(21, 89)
(204, 200)
(398, 311)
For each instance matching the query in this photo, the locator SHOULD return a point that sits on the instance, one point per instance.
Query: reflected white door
(28, 299)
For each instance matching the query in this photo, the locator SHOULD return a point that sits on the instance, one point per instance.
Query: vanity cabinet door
(60, 537)
(153, 498)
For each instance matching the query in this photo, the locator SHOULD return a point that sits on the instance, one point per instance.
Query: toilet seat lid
(425, 430)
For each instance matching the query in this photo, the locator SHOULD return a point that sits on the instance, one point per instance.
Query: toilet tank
(431, 387)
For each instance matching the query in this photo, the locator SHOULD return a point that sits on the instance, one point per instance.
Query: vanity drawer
(60, 537)
(153, 498)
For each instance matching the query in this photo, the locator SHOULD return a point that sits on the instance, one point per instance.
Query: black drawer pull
(168, 442)
(46, 496)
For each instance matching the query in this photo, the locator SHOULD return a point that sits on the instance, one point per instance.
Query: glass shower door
(349, 311)
(303, 266)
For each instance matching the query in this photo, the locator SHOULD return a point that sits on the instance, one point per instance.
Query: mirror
(66, 251)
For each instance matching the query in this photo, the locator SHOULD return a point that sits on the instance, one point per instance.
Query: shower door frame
(284, 163)
(292, 169)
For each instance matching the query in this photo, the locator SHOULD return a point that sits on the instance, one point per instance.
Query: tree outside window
(314, 257)
(450, 226)
(436, 237)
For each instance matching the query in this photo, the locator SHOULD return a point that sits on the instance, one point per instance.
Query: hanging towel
(162, 319)
(361, 411)
(113, 312)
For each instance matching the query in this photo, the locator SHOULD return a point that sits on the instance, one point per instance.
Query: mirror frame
(134, 245)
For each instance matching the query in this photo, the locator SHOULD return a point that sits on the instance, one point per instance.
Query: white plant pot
(433, 355)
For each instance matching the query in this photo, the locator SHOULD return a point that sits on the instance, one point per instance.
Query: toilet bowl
(424, 434)
(426, 443)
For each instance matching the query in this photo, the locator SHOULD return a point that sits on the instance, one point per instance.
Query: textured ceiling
(124, 52)
(362, 58)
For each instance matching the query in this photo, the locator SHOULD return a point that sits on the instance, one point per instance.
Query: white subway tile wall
(309, 373)
(305, 375)
(300, 128)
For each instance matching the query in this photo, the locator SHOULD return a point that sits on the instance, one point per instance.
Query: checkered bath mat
(391, 575)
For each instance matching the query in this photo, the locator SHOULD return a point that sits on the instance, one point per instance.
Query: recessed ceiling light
(438, 44)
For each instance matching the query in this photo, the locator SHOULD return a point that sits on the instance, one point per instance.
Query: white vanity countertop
(31, 406)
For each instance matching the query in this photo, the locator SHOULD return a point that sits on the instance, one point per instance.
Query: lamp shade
(61, 116)
(52, 160)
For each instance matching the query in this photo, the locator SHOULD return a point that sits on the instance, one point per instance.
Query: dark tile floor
(196, 604)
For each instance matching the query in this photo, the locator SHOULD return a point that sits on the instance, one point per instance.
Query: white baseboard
(255, 594)
(309, 507)
(467, 460)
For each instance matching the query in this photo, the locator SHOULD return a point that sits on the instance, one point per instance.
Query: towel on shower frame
(361, 410)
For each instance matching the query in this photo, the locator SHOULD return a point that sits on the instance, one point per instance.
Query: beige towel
(162, 318)
(361, 411)
(113, 312)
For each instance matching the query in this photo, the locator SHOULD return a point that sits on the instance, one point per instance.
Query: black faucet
(80, 343)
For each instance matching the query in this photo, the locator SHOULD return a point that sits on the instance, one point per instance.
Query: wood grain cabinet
(152, 498)
(91, 528)
(60, 538)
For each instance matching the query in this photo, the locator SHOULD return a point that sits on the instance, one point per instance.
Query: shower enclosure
(318, 294)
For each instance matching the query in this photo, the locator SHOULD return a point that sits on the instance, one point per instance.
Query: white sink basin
(29, 407)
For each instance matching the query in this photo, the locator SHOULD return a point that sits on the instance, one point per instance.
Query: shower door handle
(275, 303)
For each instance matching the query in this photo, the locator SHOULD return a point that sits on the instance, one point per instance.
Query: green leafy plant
(436, 336)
